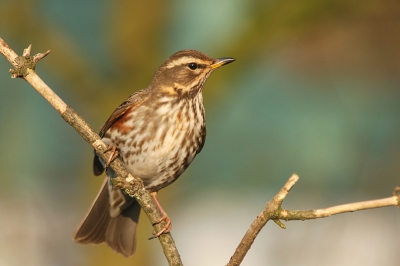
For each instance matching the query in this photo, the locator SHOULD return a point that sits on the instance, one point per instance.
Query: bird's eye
(192, 66)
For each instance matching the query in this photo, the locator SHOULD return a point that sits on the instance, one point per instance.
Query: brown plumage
(157, 131)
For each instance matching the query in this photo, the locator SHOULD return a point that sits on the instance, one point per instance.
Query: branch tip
(396, 193)
(295, 177)
(39, 56)
(27, 51)
(286, 189)
(279, 223)
(292, 181)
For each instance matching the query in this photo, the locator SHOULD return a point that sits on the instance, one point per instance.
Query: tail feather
(121, 231)
(117, 230)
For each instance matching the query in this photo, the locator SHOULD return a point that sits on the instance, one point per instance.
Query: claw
(166, 229)
(113, 156)
(168, 225)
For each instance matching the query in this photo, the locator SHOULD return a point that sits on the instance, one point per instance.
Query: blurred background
(314, 90)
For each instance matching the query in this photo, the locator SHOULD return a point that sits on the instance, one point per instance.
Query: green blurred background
(314, 90)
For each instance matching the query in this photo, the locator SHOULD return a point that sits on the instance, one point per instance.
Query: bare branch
(350, 207)
(8, 53)
(24, 67)
(273, 211)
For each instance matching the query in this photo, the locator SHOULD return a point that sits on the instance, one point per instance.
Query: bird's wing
(133, 101)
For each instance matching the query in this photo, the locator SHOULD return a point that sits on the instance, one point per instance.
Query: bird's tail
(113, 219)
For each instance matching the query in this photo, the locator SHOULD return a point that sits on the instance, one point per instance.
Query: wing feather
(135, 100)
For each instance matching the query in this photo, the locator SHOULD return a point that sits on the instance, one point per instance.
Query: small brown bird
(157, 132)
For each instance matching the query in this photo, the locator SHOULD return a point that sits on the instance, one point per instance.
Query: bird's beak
(220, 62)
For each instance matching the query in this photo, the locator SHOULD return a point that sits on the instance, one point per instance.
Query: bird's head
(185, 72)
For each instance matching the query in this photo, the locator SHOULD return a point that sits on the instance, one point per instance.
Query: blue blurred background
(314, 90)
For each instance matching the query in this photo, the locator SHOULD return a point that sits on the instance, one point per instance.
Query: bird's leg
(168, 224)
(113, 156)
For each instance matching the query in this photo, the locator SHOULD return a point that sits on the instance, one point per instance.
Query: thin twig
(274, 212)
(350, 207)
(24, 67)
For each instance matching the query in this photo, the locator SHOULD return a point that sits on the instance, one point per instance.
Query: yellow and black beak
(220, 62)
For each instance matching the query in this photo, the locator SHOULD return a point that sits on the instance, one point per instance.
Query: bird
(157, 132)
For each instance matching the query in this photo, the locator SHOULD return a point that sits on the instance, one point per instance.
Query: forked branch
(273, 211)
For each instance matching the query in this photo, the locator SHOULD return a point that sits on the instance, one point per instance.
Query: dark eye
(192, 66)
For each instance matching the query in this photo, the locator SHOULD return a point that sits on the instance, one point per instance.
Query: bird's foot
(168, 226)
(166, 229)
(113, 156)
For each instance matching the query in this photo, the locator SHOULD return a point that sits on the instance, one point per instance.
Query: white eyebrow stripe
(183, 61)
